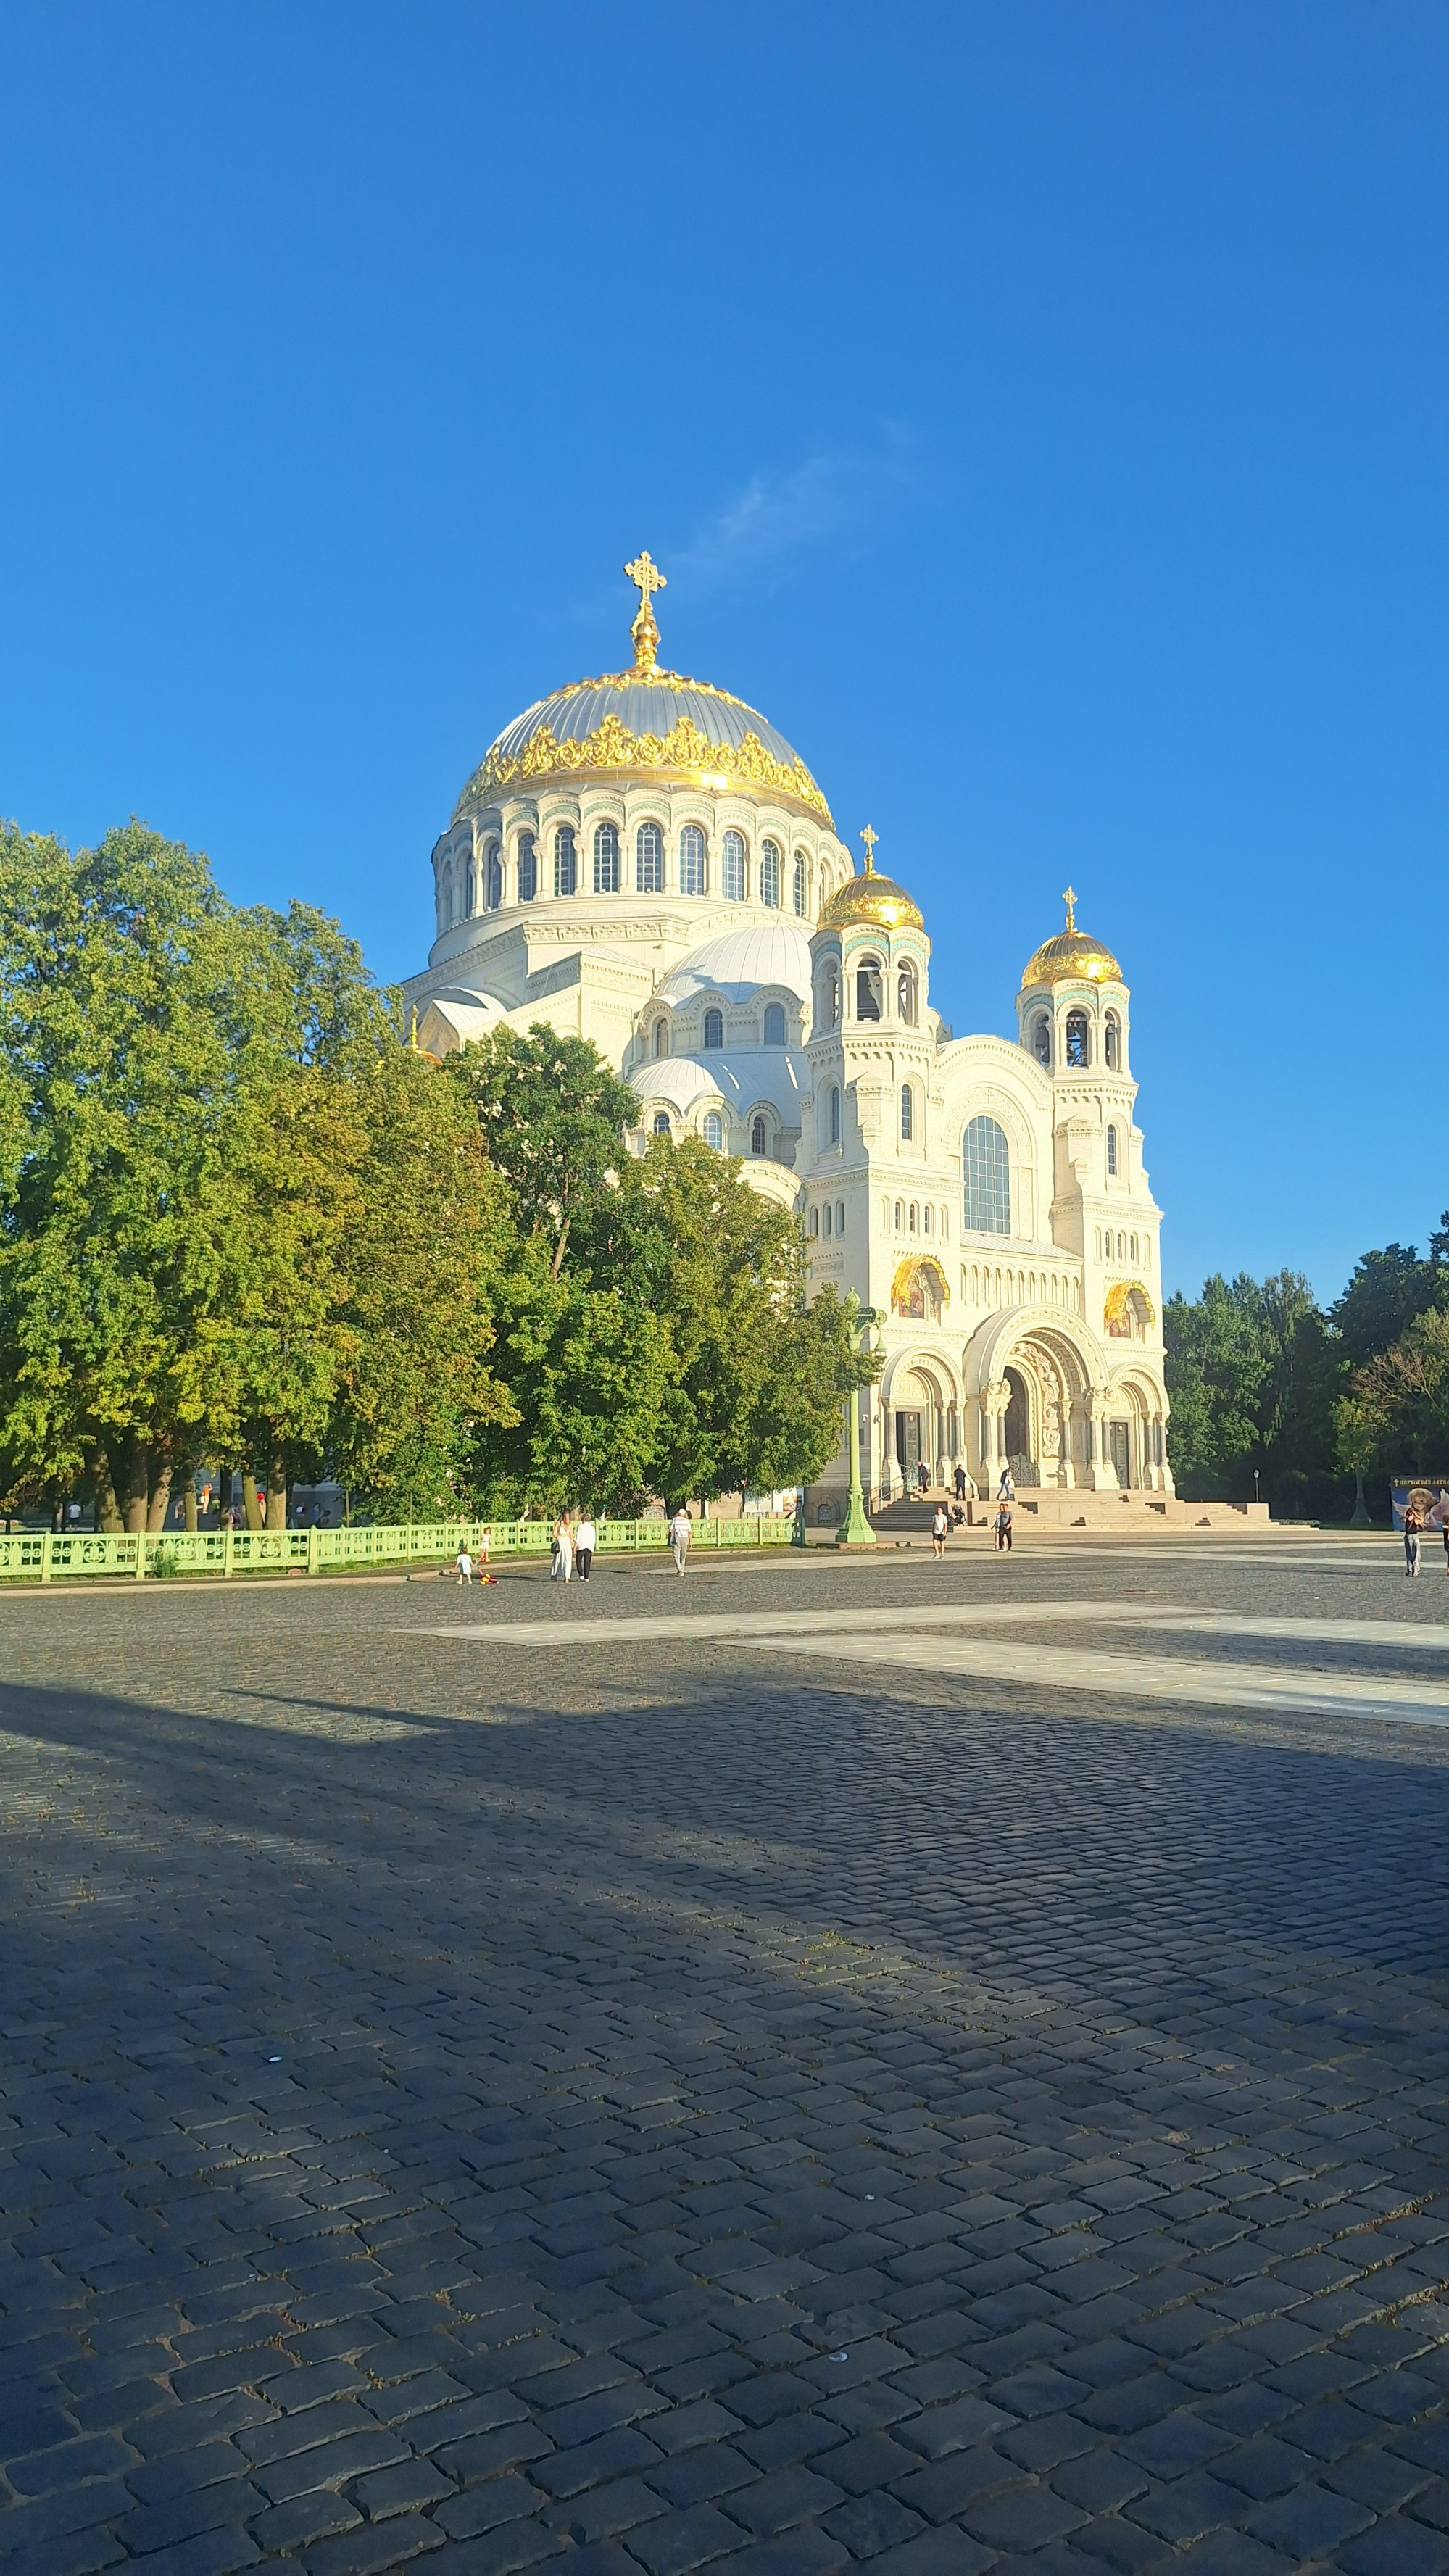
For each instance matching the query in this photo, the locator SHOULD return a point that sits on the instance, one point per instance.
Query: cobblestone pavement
(647, 2101)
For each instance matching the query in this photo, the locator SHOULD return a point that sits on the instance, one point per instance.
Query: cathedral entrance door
(908, 1445)
(1119, 1439)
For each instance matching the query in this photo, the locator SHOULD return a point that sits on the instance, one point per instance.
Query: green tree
(1395, 1413)
(1387, 1290)
(1252, 1373)
(553, 1117)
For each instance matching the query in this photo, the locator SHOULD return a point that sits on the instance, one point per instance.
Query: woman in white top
(563, 1550)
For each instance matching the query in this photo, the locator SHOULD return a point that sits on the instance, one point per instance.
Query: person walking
(961, 1480)
(563, 1550)
(464, 1564)
(1412, 1527)
(939, 1527)
(1006, 1490)
(585, 1542)
(681, 1531)
(1003, 1528)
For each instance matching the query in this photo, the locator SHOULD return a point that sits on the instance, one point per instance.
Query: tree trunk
(108, 1514)
(250, 1505)
(128, 1477)
(277, 1494)
(160, 1493)
(190, 1499)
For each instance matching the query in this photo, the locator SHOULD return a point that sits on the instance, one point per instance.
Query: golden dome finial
(1069, 898)
(647, 578)
(870, 839)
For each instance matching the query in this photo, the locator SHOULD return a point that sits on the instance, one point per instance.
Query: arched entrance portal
(1016, 1429)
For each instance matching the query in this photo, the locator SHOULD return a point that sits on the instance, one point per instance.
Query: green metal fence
(44, 1556)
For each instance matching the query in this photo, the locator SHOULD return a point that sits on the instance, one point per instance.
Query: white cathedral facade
(644, 861)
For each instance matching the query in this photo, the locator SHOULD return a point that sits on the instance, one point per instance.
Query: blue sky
(1039, 412)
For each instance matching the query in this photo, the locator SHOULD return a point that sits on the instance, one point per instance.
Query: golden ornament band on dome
(612, 745)
(647, 578)
(873, 898)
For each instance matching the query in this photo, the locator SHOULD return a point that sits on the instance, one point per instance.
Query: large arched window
(692, 875)
(732, 867)
(713, 1029)
(527, 867)
(1040, 1038)
(908, 1112)
(774, 1024)
(494, 880)
(801, 867)
(1112, 1153)
(1113, 1043)
(867, 989)
(565, 861)
(1079, 1038)
(834, 1115)
(986, 1171)
(769, 872)
(714, 1131)
(757, 1135)
(606, 859)
(649, 859)
(661, 1037)
(906, 995)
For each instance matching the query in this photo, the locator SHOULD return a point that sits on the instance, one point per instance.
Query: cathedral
(645, 861)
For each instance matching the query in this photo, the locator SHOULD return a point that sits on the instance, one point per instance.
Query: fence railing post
(45, 1558)
(314, 1553)
(228, 1535)
(140, 1555)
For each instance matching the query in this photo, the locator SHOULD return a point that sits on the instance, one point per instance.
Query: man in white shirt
(585, 1542)
(680, 1533)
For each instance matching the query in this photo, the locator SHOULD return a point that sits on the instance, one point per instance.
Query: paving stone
(1310, 2520)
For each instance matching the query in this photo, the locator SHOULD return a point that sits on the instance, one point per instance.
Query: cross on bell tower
(647, 578)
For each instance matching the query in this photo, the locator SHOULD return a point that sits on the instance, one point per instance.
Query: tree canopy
(241, 1222)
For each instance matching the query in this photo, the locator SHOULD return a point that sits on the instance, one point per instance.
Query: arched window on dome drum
(714, 1132)
(867, 989)
(1040, 1040)
(527, 867)
(757, 1136)
(692, 873)
(1114, 1043)
(986, 1171)
(565, 861)
(445, 897)
(774, 1024)
(649, 859)
(713, 1029)
(1111, 1153)
(908, 1110)
(801, 865)
(732, 867)
(661, 1122)
(834, 1115)
(769, 873)
(906, 995)
(1079, 1039)
(494, 880)
(661, 1037)
(606, 859)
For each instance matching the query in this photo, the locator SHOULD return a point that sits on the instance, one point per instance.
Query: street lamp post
(856, 1530)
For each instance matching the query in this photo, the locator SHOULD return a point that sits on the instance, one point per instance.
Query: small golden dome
(871, 897)
(1073, 957)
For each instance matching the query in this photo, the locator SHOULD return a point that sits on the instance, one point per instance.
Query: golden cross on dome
(647, 578)
(1069, 898)
(870, 839)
